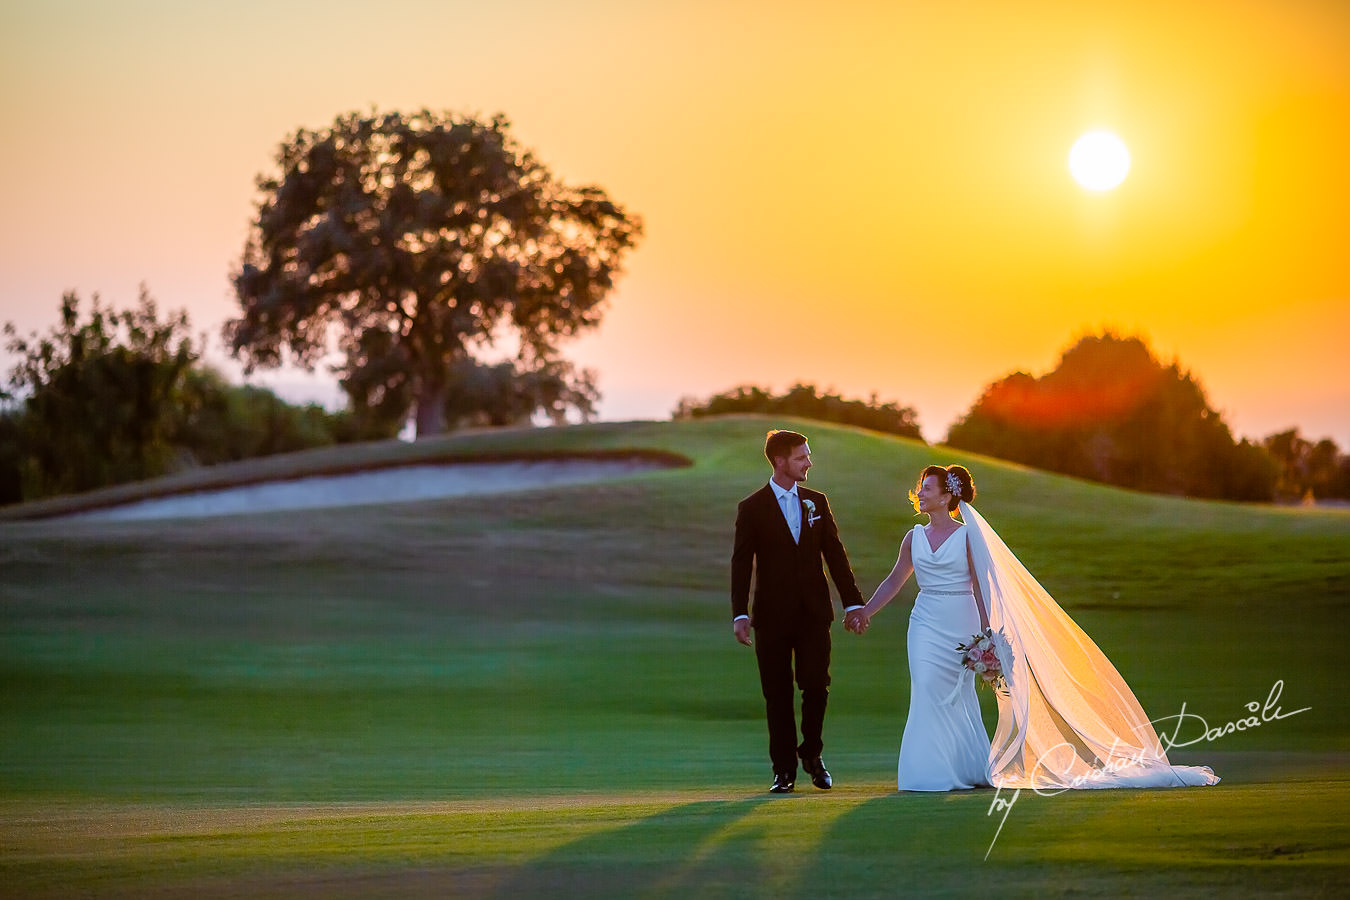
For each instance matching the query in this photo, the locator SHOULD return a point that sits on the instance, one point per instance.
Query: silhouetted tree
(804, 401)
(11, 457)
(98, 395)
(415, 241)
(118, 397)
(1290, 452)
(1111, 412)
(1312, 470)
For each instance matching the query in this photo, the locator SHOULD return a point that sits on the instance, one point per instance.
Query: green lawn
(540, 693)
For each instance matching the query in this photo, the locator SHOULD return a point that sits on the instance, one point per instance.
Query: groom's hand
(742, 629)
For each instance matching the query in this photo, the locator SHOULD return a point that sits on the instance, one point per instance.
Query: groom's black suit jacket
(789, 580)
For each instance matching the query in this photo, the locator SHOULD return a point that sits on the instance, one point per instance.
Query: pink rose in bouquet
(988, 655)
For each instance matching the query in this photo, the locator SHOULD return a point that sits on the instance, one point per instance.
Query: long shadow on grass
(918, 844)
(810, 845)
(683, 851)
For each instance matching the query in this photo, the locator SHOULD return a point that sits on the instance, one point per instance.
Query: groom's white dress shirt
(791, 505)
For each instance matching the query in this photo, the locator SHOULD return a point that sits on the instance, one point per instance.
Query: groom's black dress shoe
(782, 783)
(819, 777)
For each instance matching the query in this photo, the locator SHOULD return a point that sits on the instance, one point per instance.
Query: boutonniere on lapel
(810, 507)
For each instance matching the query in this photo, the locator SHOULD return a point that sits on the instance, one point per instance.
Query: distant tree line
(1111, 412)
(119, 396)
(804, 401)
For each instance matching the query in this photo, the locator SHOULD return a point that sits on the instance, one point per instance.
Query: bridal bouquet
(989, 656)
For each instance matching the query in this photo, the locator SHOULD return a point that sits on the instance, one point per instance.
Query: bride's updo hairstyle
(966, 483)
(956, 479)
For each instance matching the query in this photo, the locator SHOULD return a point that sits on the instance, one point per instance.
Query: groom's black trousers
(805, 647)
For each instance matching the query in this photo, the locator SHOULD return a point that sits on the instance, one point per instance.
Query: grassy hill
(539, 692)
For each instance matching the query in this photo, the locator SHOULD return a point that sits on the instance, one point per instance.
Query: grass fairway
(540, 694)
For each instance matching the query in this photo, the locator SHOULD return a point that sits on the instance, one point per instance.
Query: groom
(783, 531)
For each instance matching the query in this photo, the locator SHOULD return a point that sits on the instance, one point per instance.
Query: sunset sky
(873, 197)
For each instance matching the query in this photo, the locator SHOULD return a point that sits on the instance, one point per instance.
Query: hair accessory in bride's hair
(953, 484)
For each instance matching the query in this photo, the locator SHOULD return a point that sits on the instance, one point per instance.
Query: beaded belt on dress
(948, 593)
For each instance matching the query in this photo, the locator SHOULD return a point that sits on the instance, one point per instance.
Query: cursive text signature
(1260, 714)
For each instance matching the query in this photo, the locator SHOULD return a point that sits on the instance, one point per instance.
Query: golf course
(537, 692)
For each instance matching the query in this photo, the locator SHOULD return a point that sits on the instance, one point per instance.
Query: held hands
(857, 621)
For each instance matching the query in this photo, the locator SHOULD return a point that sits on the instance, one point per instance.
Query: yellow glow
(823, 185)
(1099, 160)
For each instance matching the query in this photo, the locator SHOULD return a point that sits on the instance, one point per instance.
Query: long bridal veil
(1067, 720)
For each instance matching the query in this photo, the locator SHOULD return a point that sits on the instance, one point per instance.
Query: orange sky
(869, 196)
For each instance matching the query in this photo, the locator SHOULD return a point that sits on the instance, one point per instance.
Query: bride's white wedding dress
(945, 746)
(1067, 719)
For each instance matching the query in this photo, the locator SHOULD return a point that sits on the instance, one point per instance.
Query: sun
(1099, 161)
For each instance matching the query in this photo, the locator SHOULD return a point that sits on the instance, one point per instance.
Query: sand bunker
(393, 485)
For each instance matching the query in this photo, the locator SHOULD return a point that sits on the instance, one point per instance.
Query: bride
(1066, 718)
